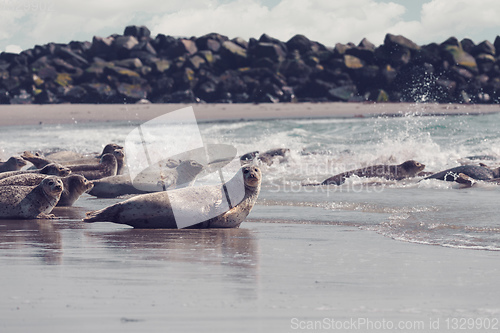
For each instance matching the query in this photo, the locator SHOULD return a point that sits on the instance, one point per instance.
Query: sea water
(420, 211)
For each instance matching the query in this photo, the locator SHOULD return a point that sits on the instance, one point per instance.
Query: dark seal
(404, 170)
(473, 171)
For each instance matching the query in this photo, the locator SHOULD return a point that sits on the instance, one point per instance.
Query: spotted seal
(14, 163)
(478, 172)
(154, 210)
(50, 169)
(182, 174)
(30, 202)
(107, 166)
(72, 157)
(268, 157)
(392, 172)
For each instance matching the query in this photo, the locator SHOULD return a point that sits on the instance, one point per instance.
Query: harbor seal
(391, 172)
(107, 166)
(74, 185)
(268, 157)
(71, 157)
(30, 202)
(14, 163)
(478, 172)
(154, 210)
(183, 174)
(50, 169)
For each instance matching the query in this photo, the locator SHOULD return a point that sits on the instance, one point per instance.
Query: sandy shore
(264, 277)
(69, 113)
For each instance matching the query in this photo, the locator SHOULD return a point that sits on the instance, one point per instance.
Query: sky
(26, 23)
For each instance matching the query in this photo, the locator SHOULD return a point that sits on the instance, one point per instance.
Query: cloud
(326, 21)
(13, 49)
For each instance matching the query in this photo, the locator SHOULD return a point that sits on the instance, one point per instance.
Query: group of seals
(33, 193)
(154, 210)
(109, 163)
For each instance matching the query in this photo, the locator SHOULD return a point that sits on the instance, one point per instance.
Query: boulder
(139, 32)
(344, 93)
(457, 56)
(101, 47)
(270, 51)
(101, 93)
(233, 55)
(302, 44)
(131, 93)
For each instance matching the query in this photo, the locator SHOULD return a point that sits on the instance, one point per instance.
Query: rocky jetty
(135, 67)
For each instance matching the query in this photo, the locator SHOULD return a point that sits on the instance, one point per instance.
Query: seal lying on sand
(267, 157)
(107, 166)
(154, 210)
(72, 157)
(50, 169)
(478, 172)
(74, 185)
(30, 202)
(391, 172)
(39, 161)
(111, 187)
(12, 164)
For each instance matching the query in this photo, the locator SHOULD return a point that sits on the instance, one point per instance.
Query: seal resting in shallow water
(268, 157)
(391, 172)
(154, 210)
(478, 172)
(50, 169)
(12, 164)
(74, 185)
(30, 202)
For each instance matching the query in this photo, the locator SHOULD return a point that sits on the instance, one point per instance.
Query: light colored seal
(74, 185)
(30, 202)
(154, 210)
(14, 163)
(107, 166)
(182, 174)
(392, 172)
(50, 169)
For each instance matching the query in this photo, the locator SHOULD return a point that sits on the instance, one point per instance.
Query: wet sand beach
(70, 113)
(276, 273)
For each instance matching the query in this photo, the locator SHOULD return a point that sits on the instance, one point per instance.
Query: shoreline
(14, 115)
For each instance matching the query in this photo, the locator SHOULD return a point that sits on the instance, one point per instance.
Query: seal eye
(51, 183)
(246, 171)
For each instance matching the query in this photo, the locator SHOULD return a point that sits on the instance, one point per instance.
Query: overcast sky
(26, 23)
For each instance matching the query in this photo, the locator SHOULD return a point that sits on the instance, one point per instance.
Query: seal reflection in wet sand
(391, 172)
(30, 202)
(155, 210)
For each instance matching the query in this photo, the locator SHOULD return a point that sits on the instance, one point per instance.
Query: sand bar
(70, 113)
